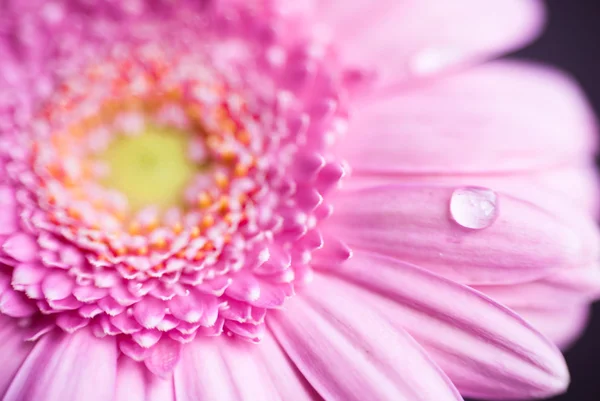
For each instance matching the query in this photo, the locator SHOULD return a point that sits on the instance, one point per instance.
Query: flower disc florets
(169, 180)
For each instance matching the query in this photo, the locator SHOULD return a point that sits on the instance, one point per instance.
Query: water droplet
(474, 207)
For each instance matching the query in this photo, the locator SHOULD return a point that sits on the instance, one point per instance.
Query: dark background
(572, 42)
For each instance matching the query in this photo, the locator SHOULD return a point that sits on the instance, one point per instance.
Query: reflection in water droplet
(474, 207)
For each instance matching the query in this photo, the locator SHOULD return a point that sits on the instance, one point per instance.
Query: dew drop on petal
(474, 207)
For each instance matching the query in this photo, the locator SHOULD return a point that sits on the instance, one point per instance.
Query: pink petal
(168, 323)
(348, 352)
(126, 323)
(202, 374)
(135, 383)
(290, 383)
(16, 304)
(400, 40)
(271, 295)
(163, 357)
(187, 308)
(571, 287)
(414, 224)
(110, 306)
(245, 287)
(562, 326)
(21, 247)
(133, 350)
(565, 187)
(63, 367)
(131, 381)
(8, 211)
(71, 322)
(89, 293)
(149, 312)
(146, 338)
(13, 351)
(504, 116)
(57, 285)
(248, 331)
(224, 370)
(487, 350)
(27, 274)
(210, 311)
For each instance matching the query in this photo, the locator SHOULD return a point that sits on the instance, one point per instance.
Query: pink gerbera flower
(172, 225)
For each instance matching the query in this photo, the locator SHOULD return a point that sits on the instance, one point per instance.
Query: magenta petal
(333, 341)
(57, 285)
(22, 247)
(16, 304)
(133, 350)
(8, 211)
(163, 357)
(272, 295)
(413, 223)
(247, 331)
(135, 383)
(89, 293)
(13, 351)
(149, 312)
(187, 308)
(146, 338)
(71, 322)
(126, 323)
(27, 274)
(245, 287)
(486, 349)
(168, 323)
(56, 371)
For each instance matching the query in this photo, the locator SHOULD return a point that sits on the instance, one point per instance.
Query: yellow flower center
(150, 167)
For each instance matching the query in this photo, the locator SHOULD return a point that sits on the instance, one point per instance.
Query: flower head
(170, 179)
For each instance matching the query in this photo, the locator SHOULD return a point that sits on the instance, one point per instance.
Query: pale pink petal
(13, 351)
(240, 371)
(404, 39)
(67, 367)
(131, 381)
(248, 372)
(503, 116)
(347, 351)
(563, 326)
(290, 383)
(202, 373)
(413, 223)
(135, 383)
(562, 289)
(574, 187)
(487, 350)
